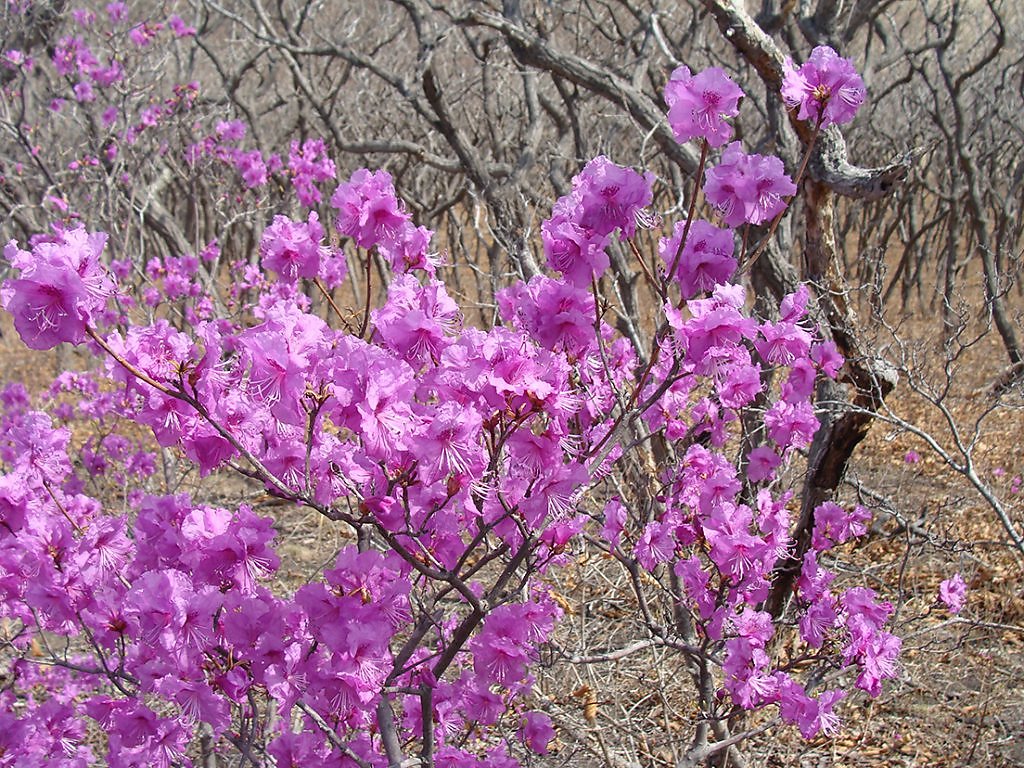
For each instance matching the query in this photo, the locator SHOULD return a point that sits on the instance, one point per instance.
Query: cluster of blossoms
(748, 188)
(605, 197)
(953, 593)
(293, 249)
(370, 213)
(308, 166)
(826, 89)
(62, 288)
(700, 104)
(464, 461)
(253, 168)
(93, 79)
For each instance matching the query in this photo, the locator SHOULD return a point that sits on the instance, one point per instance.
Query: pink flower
(953, 592)
(609, 197)
(368, 210)
(537, 732)
(912, 457)
(761, 464)
(825, 88)
(231, 130)
(748, 188)
(834, 525)
(700, 104)
(784, 343)
(791, 424)
(292, 249)
(810, 715)
(576, 252)
(117, 11)
(500, 651)
(827, 357)
(253, 169)
(451, 444)
(706, 260)
(416, 319)
(61, 289)
(657, 544)
(309, 165)
(180, 28)
(614, 521)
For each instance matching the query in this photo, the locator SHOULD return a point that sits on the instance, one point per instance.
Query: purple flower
(761, 464)
(451, 444)
(415, 320)
(576, 252)
(230, 130)
(826, 87)
(953, 593)
(292, 248)
(748, 188)
(706, 260)
(609, 197)
(557, 315)
(500, 651)
(605, 197)
(180, 28)
(834, 525)
(368, 210)
(700, 104)
(309, 165)
(252, 168)
(61, 289)
(614, 521)
(784, 343)
(537, 732)
(117, 11)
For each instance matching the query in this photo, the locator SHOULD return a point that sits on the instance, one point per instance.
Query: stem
(141, 375)
(366, 307)
(332, 736)
(689, 214)
(330, 300)
(600, 346)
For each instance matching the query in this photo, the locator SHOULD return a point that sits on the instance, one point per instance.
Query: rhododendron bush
(467, 465)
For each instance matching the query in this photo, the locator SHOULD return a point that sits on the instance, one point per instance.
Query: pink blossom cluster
(185, 631)
(370, 213)
(700, 104)
(953, 593)
(705, 260)
(293, 249)
(605, 197)
(826, 89)
(746, 188)
(310, 166)
(62, 287)
(73, 58)
(253, 168)
(435, 429)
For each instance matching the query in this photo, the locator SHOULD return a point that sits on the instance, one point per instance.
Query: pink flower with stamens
(700, 104)
(826, 88)
(748, 188)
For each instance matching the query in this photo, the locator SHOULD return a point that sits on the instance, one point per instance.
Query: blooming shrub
(465, 463)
